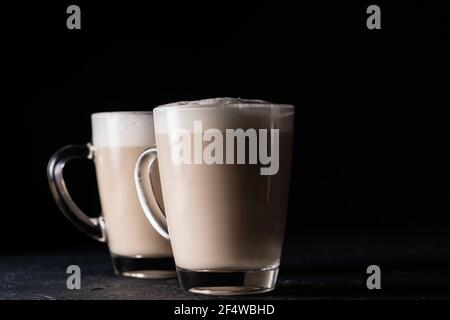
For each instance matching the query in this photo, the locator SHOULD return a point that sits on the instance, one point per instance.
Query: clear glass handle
(93, 227)
(149, 204)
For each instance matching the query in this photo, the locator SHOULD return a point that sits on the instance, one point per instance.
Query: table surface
(312, 268)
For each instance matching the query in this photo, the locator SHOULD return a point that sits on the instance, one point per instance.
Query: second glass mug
(118, 138)
(225, 221)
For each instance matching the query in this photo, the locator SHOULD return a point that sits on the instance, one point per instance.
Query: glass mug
(118, 139)
(224, 210)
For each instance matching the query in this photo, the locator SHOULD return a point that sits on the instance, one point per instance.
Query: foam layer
(222, 102)
(224, 113)
(122, 129)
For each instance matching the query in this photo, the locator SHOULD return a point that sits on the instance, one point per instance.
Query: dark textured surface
(317, 266)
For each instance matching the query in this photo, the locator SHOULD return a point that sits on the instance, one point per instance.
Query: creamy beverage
(232, 217)
(225, 167)
(129, 233)
(118, 144)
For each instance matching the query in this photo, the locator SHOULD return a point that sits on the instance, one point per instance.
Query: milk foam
(216, 102)
(122, 129)
(224, 113)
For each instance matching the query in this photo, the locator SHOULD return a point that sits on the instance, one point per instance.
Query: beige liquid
(225, 217)
(128, 231)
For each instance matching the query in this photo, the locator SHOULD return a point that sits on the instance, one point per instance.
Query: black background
(371, 150)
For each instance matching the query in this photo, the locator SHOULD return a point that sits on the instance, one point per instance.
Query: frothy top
(224, 113)
(123, 129)
(221, 102)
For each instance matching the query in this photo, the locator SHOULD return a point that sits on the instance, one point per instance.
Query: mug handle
(93, 227)
(149, 204)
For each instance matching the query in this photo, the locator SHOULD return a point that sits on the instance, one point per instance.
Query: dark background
(371, 157)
